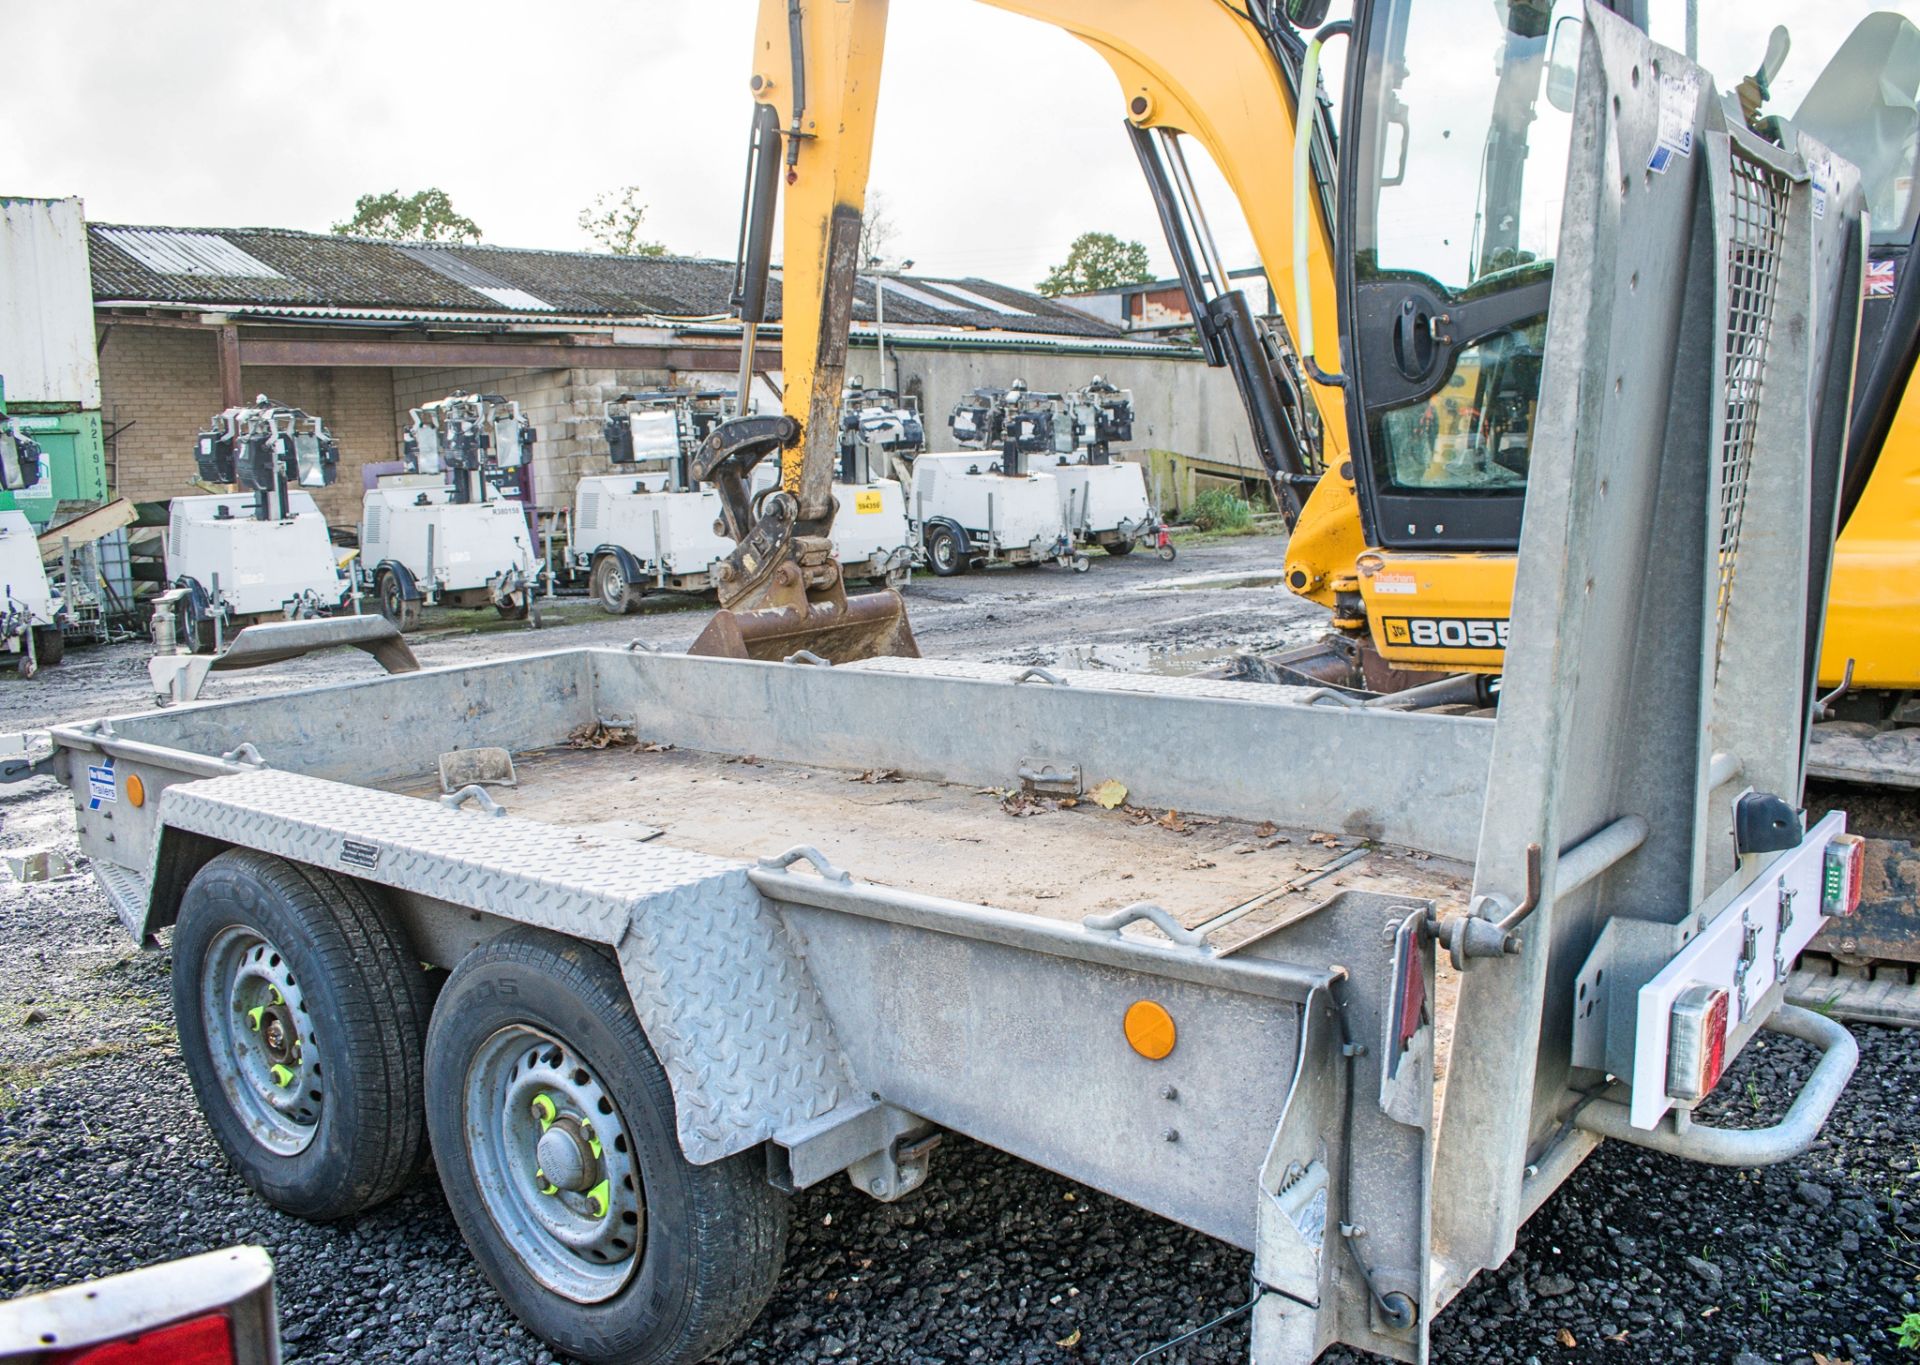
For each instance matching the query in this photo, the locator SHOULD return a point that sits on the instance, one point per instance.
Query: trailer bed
(1060, 859)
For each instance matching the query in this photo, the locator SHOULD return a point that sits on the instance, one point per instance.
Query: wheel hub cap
(564, 1158)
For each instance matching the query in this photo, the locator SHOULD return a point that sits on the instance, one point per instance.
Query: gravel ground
(106, 1164)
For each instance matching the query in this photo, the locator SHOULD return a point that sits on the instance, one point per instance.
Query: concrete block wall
(159, 387)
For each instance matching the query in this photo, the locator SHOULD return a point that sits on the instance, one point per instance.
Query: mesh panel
(590, 508)
(1758, 222)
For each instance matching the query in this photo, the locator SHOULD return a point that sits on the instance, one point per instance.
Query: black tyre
(303, 1016)
(395, 605)
(49, 645)
(554, 1134)
(610, 588)
(1120, 547)
(944, 554)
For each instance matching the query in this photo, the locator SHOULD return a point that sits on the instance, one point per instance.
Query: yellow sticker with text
(867, 500)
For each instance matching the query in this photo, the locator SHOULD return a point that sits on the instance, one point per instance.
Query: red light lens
(204, 1340)
(1696, 1043)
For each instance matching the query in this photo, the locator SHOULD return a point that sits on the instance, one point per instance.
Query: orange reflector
(136, 790)
(1150, 1029)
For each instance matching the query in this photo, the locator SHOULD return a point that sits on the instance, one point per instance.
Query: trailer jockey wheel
(395, 605)
(944, 552)
(514, 607)
(610, 588)
(554, 1133)
(302, 1015)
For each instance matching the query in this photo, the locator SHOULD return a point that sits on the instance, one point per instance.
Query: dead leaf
(1283, 839)
(1172, 821)
(1565, 1338)
(1328, 840)
(1266, 830)
(876, 775)
(1069, 1341)
(594, 735)
(1198, 865)
(1618, 1337)
(653, 747)
(1247, 848)
(1709, 1312)
(1109, 794)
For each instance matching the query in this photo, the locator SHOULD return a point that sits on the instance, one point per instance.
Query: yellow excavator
(1425, 239)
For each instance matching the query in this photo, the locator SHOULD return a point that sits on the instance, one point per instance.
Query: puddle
(1167, 660)
(1224, 582)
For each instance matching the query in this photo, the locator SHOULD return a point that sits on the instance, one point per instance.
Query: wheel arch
(409, 585)
(629, 565)
(948, 523)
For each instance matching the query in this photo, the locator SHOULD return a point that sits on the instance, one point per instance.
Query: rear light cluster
(1696, 1043)
(206, 1340)
(1840, 876)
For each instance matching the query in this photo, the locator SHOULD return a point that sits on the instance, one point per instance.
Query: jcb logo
(1445, 632)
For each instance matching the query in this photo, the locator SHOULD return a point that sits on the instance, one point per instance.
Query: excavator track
(1866, 968)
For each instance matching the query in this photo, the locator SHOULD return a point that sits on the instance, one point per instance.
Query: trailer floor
(1064, 861)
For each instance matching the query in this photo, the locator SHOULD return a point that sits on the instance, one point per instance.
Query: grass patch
(16, 1078)
(1219, 510)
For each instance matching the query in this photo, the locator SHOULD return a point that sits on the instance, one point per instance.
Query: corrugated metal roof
(189, 253)
(420, 280)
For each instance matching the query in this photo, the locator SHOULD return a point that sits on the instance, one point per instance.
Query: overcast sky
(999, 140)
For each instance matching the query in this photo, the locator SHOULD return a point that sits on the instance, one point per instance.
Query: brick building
(358, 330)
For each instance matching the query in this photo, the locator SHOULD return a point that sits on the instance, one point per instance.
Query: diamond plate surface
(732, 1014)
(1099, 680)
(126, 893)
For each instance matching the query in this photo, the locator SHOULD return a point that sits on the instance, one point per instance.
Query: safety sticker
(1881, 278)
(101, 785)
(1822, 170)
(867, 500)
(1399, 583)
(1679, 97)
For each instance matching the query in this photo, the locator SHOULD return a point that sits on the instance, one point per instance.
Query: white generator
(262, 551)
(650, 527)
(1071, 436)
(633, 533)
(1103, 504)
(30, 611)
(238, 569)
(445, 533)
(966, 511)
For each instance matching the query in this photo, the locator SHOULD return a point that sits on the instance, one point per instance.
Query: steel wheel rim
(944, 551)
(613, 587)
(532, 1102)
(261, 1040)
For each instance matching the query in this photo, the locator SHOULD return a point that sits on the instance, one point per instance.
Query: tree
(1097, 260)
(426, 216)
(877, 231)
(613, 221)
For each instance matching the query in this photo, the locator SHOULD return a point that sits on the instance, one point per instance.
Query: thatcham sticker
(357, 853)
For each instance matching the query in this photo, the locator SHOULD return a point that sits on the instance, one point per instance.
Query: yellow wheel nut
(597, 1199)
(544, 1110)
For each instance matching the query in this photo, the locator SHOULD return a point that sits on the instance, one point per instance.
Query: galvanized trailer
(646, 1037)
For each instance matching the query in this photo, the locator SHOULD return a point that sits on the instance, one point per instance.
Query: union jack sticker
(1880, 279)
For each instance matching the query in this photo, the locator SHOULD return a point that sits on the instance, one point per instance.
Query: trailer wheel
(610, 589)
(49, 645)
(1120, 547)
(395, 605)
(302, 1016)
(944, 552)
(554, 1134)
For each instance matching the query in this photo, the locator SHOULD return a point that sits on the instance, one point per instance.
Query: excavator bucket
(865, 626)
